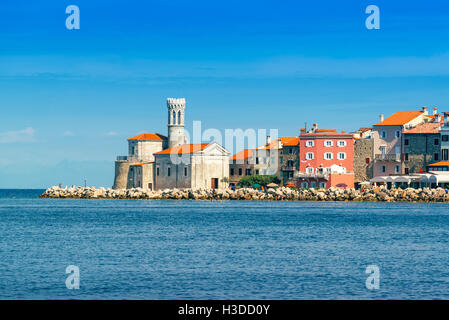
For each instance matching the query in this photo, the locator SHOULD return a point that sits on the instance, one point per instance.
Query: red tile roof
(427, 127)
(244, 154)
(184, 149)
(365, 129)
(149, 136)
(400, 118)
(328, 134)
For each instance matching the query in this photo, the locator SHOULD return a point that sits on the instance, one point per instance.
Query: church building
(158, 162)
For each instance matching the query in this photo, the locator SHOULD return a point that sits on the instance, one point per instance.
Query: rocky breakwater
(331, 194)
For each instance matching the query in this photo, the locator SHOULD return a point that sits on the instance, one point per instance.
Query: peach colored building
(388, 135)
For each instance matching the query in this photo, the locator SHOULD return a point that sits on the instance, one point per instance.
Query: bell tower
(176, 107)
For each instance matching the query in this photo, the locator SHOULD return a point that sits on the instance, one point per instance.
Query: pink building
(326, 159)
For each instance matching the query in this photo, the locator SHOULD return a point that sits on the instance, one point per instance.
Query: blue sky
(70, 99)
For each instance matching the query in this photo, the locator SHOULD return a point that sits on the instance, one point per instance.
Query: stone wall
(421, 149)
(122, 179)
(363, 159)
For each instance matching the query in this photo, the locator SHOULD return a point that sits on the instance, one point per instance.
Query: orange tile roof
(399, 118)
(432, 116)
(184, 149)
(244, 154)
(325, 130)
(149, 136)
(142, 164)
(289, 141)
(441, 163)
(427, 127)
(286, 141)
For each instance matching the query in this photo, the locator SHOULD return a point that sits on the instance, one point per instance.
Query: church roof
(184, 149)
(149, 136)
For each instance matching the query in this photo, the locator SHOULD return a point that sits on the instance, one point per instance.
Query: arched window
(179, 117)
(174, 118)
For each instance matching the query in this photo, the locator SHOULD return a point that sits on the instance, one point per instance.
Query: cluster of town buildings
(408, 147)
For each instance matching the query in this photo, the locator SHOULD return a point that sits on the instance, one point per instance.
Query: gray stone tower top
(176, 107)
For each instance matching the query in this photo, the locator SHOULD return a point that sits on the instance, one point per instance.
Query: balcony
(388, 157)
(311, 175)
(288, 168)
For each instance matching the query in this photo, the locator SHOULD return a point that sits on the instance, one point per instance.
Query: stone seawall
(332, 194)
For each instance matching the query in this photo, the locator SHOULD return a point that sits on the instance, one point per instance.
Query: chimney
(437, 118)
(424, 110)
(435, 110)
(381, 117)
(447, 118)
(268, 140)
(315, 126)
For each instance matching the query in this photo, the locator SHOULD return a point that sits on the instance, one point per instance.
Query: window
(304, 185)
(309, 156)
(248, 172)
(383, 149)
(405, 156)
(309, 143)
(157, 171)
(406, 170)
(313, 184)
(445, 154)
(383, 134)
(290, 151)
(309, 170)
(342, 143)
(240, 171)
(383, 169)
(281, 160)
(232, 171)
(445, 137)
(328, 143)
(322, 184)
(436, 142)
(257, 160)
(133, 150)
(185, 171)
(168, 172)
(435, 156)
(397, 134)
(257, 171)
(328, 156)
(341, 156)
(397, 169)
(406, 142)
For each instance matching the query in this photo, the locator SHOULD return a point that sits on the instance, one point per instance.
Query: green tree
(263, 180)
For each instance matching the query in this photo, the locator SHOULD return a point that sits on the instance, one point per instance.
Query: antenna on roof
(305, 126)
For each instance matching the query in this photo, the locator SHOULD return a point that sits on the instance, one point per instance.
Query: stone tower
(176, 108)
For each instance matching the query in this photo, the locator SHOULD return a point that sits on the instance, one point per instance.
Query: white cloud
(25, 135)
(111, 133)
(68, 134)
